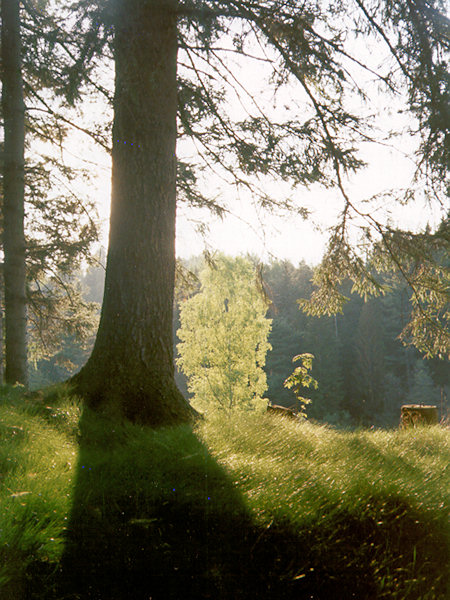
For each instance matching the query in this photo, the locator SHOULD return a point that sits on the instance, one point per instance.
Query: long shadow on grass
(155, 517)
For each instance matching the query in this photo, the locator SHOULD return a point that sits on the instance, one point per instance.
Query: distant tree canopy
(223, 337)
(364, 371)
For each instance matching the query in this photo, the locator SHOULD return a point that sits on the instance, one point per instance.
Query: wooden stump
(413, 415)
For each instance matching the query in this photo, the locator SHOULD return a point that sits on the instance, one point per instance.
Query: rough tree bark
(130, 373)
(13, 198)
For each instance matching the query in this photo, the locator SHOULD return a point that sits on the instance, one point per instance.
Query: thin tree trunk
(13, 200)
(2, 313)
(130, 372)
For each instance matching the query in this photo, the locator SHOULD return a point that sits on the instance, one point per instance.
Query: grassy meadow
(241, 506)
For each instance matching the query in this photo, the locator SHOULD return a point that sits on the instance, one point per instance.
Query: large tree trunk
(130, 372)
(13, 198)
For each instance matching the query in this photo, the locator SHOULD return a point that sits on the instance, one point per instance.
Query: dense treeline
(364, 371)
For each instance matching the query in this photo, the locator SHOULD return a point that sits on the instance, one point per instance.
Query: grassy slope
(371, 506)
(38, 454)
(250, 506)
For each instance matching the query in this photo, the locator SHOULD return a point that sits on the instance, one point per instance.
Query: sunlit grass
(38, 453)
(308, 509)
(292, 468)
(385, 492)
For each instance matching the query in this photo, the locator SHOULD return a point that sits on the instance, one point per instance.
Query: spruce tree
(423, 390)
(47, 227)
(13, 108)
(130, 372)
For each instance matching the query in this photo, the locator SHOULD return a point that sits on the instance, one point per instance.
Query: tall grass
(246, 506)
(373, 501)
(292, 470)
(38, 454)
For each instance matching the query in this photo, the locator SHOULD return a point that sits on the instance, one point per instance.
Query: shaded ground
(155, 517)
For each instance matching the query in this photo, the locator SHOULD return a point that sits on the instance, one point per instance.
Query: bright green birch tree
(223, 335)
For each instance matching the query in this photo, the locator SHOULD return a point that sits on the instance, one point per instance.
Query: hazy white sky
(250, 230)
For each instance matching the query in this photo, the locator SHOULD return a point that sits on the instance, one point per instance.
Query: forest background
(364, 371)
(362, 380)
(311, 510)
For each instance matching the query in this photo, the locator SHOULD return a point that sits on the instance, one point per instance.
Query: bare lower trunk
(13, 199)
(130, 372)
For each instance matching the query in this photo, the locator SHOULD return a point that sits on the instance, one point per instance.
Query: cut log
(282, 410)
(413, 415)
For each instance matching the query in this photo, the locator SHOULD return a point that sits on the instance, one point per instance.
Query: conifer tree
(13, 108)
(369, 367)
(423, 390)
(47, 228)
(130, 372)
